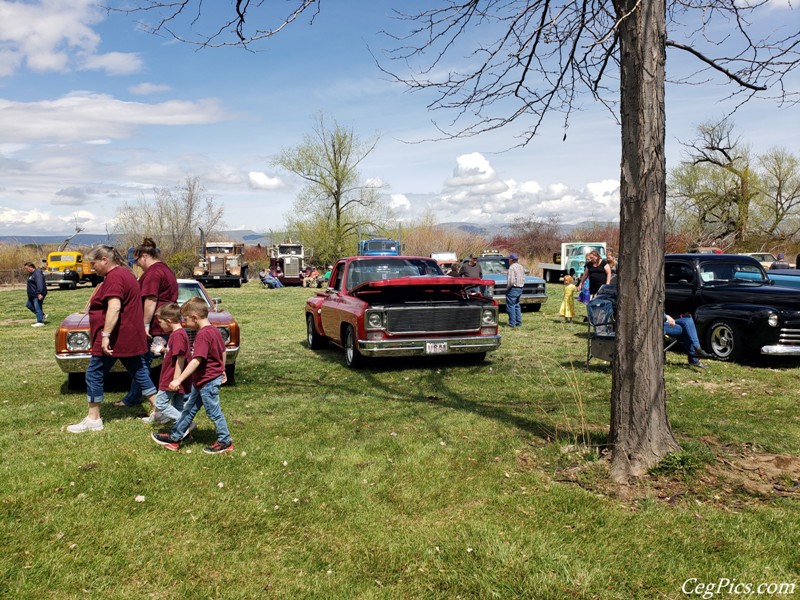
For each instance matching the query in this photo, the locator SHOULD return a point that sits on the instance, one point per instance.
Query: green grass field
(407, 479)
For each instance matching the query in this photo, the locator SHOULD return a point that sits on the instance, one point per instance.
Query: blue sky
(94, 111)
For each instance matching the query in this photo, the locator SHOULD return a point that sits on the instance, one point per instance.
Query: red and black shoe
(164, 440)
(219, 448)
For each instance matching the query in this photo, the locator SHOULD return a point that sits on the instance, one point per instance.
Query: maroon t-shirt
(128, 337)
(177, 346)
(159, 282)
(210, 348)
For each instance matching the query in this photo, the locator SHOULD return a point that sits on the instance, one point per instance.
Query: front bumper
(501, 299)
(77, 363)
(780, 350)
(419, 346)
(60, 278)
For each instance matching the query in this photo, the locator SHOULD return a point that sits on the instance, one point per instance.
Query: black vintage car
(738, 311)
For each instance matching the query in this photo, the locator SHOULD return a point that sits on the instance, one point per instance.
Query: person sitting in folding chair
(683, 328)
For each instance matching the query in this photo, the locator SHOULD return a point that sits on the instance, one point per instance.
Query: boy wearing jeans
(169, 404)
(207, 372)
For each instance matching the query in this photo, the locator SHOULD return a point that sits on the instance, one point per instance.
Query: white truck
(570, 260)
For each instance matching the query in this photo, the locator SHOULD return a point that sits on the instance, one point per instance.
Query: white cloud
(262, 181)
(39, 222)
(399, 202)
(113, 63)
(476, 193)
(53, 35)
(85, 116)
(146, 88)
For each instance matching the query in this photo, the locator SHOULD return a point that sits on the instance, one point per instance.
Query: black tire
(230, 373)
(724, 341)
(313, 338)
(237, 283)
(352, 357)
(76, 381)
(534, 307)
(63, 286)
(244, 275)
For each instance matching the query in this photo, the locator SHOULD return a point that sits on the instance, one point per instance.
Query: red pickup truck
(383, 306)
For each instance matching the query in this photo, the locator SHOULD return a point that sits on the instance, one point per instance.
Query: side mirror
(215, 302)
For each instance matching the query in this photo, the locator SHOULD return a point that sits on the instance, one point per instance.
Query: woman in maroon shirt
(116, 332)
(158, 286)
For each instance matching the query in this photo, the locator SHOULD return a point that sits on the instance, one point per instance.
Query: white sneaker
(38, 325)
(45, 318)
(86, 425)
(155, 418)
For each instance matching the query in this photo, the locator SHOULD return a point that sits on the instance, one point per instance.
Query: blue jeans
(35, 306)
(513, 307)
(686, 332)
(207, 397)
(170, 404)
(99, 366)
(134, 395)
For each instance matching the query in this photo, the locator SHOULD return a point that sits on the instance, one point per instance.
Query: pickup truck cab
(385, 306)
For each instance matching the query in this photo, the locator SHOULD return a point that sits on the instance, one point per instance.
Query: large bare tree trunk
(640, 432)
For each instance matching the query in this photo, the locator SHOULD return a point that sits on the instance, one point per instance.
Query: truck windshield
(381, 246)
(584, 250)
(290, 250)
(494, 266)
(362, 271)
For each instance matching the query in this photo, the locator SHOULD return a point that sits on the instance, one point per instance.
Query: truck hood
(496, 278)
(417, 286)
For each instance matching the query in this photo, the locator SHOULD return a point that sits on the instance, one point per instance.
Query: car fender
(744, 315)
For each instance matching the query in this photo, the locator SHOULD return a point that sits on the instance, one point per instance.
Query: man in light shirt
(516, 281)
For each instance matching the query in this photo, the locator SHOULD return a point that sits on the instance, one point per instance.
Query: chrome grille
(291, 266)
(216, 267)
(533, 288)
(789, 337)
(433, 319)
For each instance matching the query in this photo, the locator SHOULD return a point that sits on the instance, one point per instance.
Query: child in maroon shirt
(207, 372)
(169, 404)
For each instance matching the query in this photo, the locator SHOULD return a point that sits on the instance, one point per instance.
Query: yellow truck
(67, 268)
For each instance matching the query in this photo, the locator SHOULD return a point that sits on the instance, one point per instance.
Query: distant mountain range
(252, 238)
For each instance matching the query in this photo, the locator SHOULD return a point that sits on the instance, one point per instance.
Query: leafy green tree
(779, 209)
(335, 203)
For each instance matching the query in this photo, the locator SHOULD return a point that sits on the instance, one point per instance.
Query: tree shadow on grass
(429, 369)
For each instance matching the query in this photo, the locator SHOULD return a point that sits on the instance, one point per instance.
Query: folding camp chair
(601, 340)
(602, 330)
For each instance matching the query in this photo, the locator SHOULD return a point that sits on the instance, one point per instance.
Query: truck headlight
(490, 291)
(374, 320)
(773, 319)
(489, 317)
(77, 340)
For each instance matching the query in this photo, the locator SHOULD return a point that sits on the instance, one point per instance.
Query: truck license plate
(216, 276)
(435, 347)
